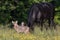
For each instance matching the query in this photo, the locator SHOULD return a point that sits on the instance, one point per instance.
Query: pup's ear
(13, 22)
(16, 21)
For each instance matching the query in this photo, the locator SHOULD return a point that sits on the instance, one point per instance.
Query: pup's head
(22, 24)
(15, 23)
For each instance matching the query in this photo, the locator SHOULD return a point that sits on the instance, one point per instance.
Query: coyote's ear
(16, 21)
(13, 22)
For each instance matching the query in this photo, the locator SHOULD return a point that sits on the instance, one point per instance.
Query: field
(10, 34)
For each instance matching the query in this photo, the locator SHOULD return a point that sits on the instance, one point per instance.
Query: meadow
(7, 33)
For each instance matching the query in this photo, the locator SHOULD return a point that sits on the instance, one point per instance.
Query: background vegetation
(18, 10)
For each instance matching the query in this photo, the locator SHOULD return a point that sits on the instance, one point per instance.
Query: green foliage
(21, 7)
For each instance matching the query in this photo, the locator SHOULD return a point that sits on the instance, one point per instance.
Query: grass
(11, 34)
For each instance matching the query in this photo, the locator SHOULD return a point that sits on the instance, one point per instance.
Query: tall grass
(10, 34)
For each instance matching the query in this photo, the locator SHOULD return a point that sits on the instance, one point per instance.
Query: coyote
(21, 28)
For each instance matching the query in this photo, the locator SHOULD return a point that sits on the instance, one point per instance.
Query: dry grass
(11, 34)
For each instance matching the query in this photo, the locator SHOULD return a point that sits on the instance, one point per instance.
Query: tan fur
(21, 28)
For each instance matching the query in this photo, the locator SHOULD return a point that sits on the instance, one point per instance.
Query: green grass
(10, 34)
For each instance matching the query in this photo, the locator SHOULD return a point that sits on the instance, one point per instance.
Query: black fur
(40, 12)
